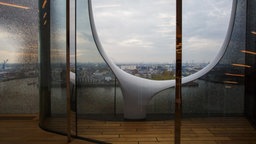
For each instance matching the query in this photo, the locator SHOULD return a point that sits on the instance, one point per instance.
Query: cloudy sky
(18, 30)
(144, 30)
(131, 31)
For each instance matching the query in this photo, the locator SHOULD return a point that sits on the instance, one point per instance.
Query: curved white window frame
(137, 92)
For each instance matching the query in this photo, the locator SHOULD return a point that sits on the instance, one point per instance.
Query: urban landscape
(89, 74)
(99, 73)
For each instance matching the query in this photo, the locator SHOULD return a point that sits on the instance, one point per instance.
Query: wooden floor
(25, 130)
(194, 131)
(235, 130)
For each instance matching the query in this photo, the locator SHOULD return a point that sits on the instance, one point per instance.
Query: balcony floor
(215, 130)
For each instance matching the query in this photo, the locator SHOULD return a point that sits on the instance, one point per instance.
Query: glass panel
(123, 26)
(73, 63)
(205, 26)
(53, 65)
(98, 92)
(219, 92)
(162, 105)
(95, 80)
(250, 99)
(19, 57)
(58, 62)
(114, 22)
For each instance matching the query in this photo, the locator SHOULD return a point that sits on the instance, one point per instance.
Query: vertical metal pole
(68, 70)
(44, 61)
(115, 98)
(76, 61)
(178, 97)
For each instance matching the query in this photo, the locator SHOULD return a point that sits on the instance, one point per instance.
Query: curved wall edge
(137, 91)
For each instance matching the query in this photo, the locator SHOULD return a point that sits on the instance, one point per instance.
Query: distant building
(108, 78)
(128, 67)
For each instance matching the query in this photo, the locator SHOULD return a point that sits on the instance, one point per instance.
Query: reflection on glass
(241, 65)
(95, 80)
(14, 5)
(230, 82)
(248, 52)
(18, 57)
(232, 74)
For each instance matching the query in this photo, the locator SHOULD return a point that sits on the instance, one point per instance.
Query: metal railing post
(178, 95)
(68, 70)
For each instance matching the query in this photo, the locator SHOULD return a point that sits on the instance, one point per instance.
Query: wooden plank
(18, 116)
(27, 132)
(211, 131)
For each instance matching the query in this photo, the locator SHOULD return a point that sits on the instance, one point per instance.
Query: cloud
(206, 29)
(18, 32)
(135, 43)
(133, 30)
(11, 45)
(107, 6)
(198, 49)
(141, 31)
(145, 30)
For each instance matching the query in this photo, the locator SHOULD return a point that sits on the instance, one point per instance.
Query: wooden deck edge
(19, 116)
